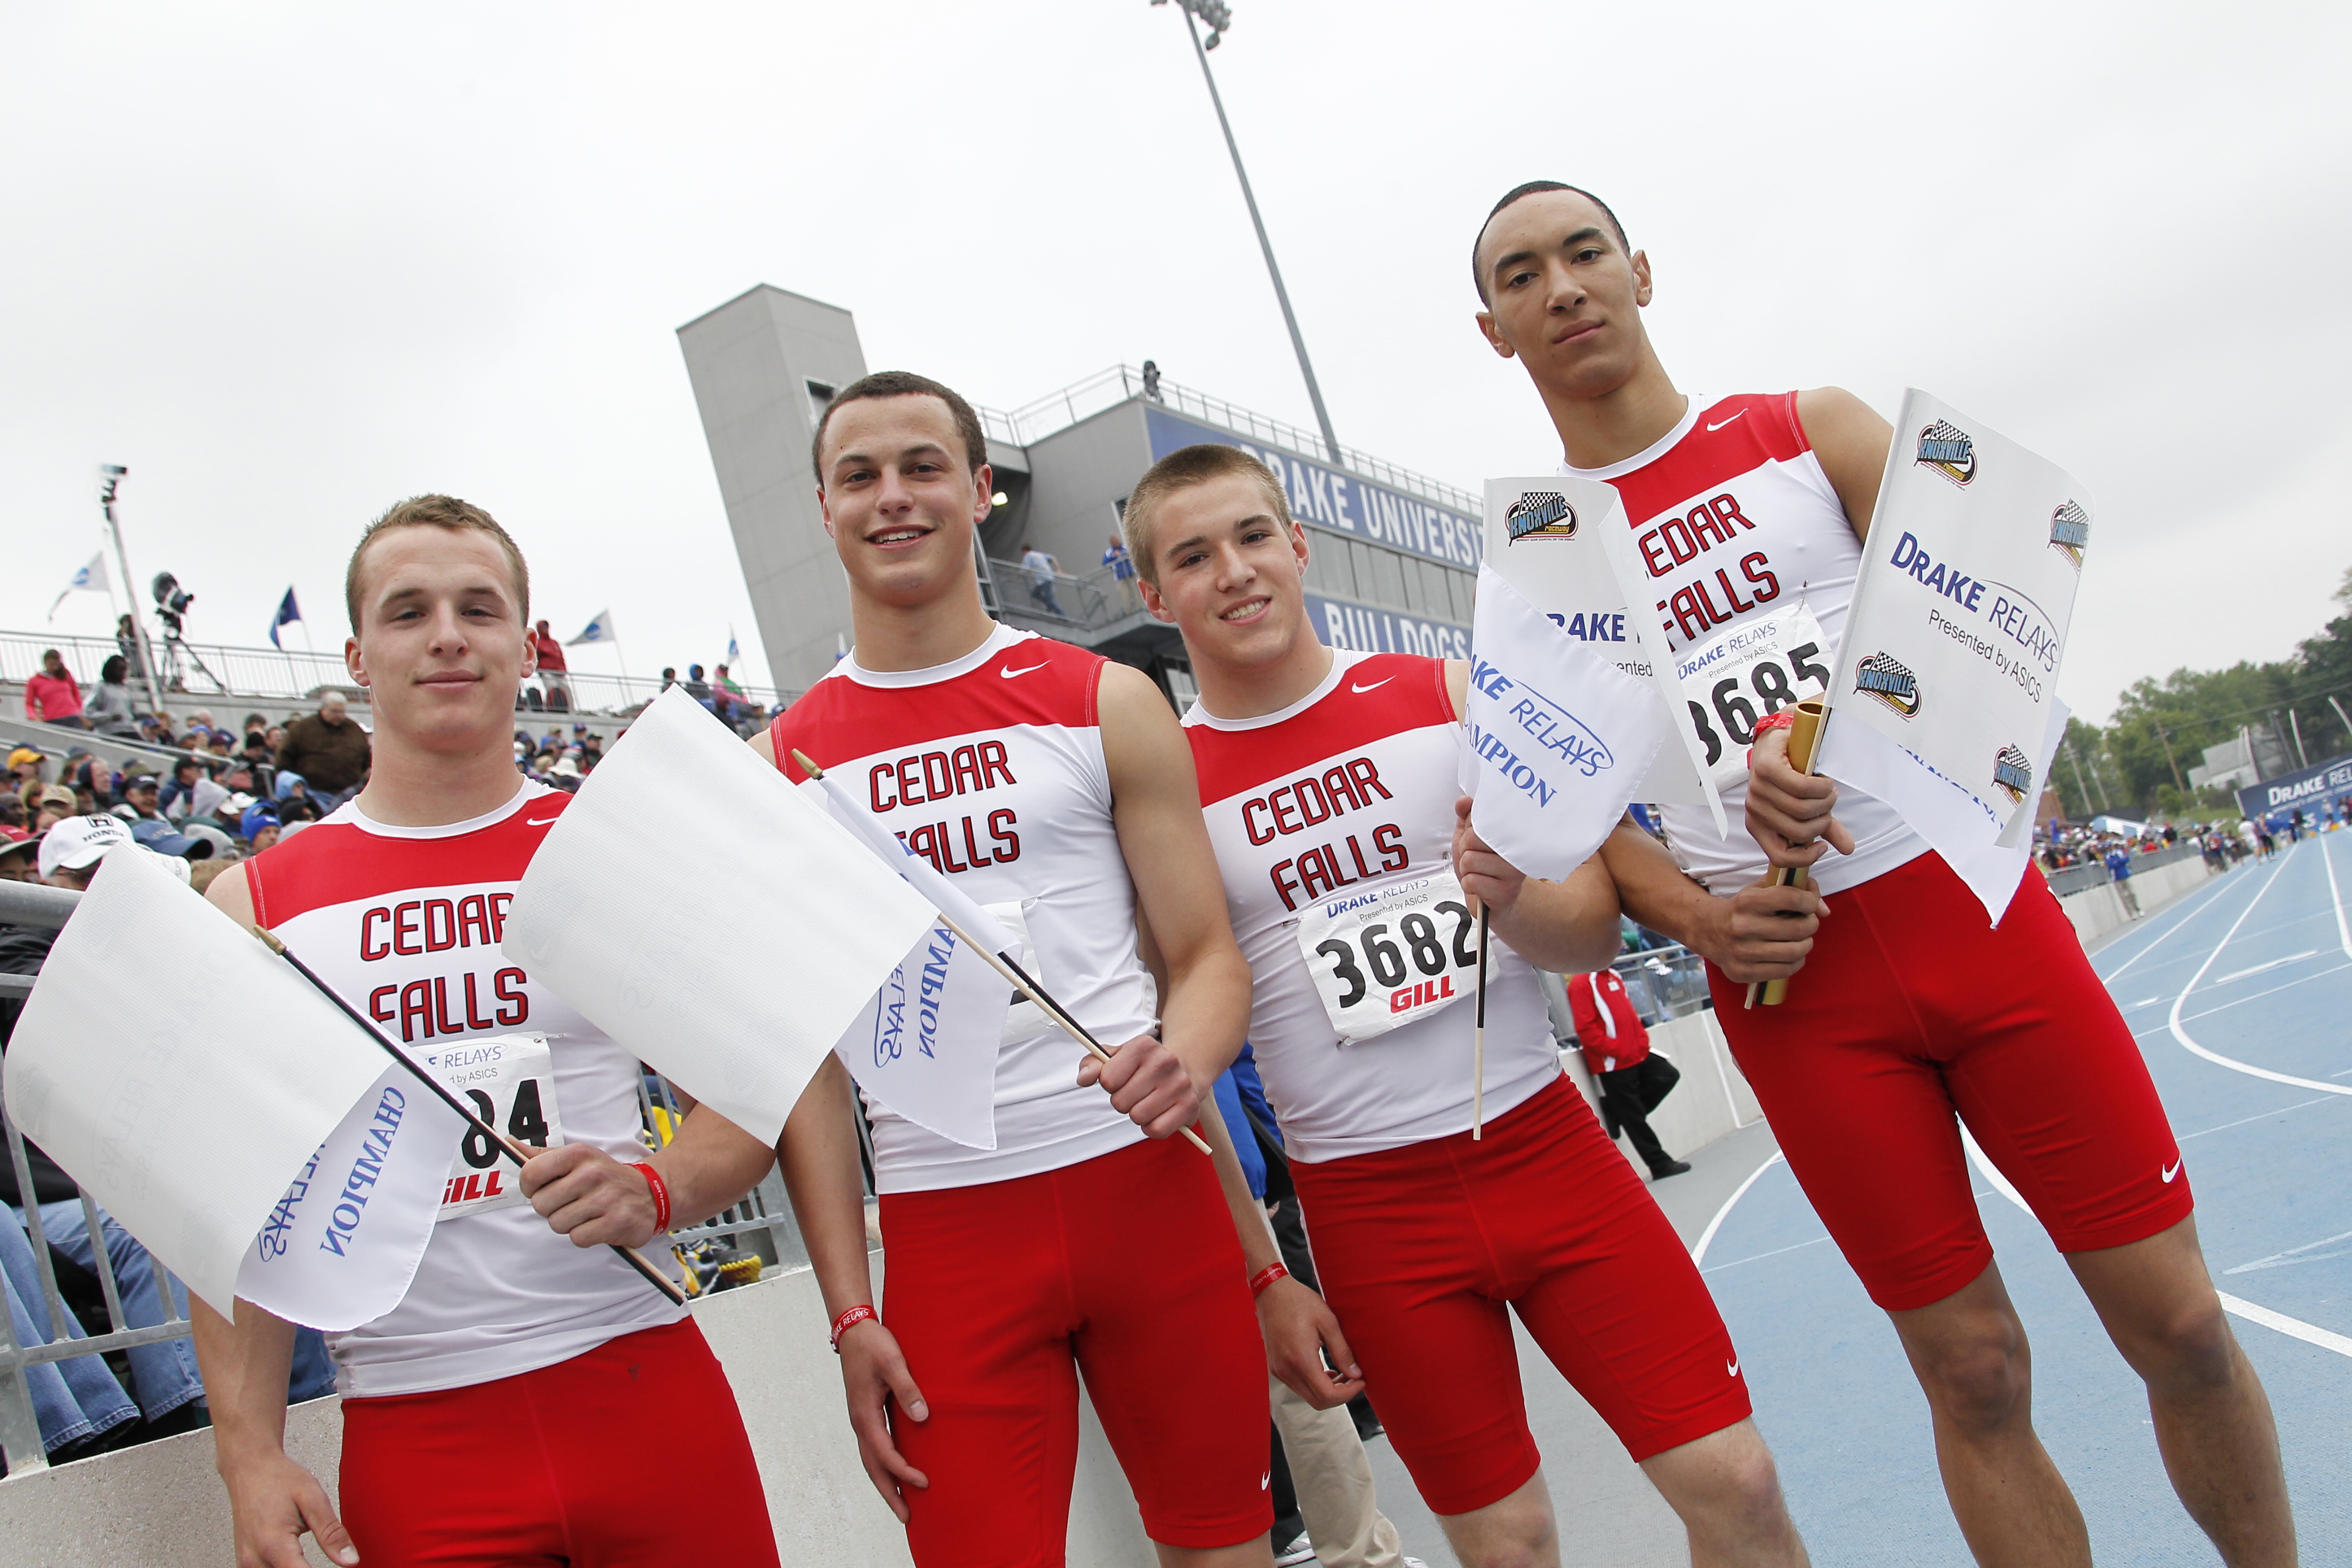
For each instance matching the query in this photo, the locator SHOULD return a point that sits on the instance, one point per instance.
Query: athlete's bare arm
(1570, 927)
(1204, 1004)
(1762, 932)
(585, 1194)
(272, 1500)
(827, 1185)
(1788, 813)
(1298, 1328)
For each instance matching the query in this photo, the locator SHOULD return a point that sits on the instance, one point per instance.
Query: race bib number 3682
(509, 1081)
(1385, 956)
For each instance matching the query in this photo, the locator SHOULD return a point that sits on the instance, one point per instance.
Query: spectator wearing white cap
(71, 849)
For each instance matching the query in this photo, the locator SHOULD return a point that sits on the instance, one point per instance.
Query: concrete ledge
(1712, 1099)
(2100, 909)
(161, 1505)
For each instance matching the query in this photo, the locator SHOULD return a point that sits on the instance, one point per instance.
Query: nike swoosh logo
(1732, 420)
(1732, 1367)
(2173, 1171)
(1009, 674)
(1375, 686)
(1265, 1480)
(537, 821)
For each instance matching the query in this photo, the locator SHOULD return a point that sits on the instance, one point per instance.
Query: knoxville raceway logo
(1881, 676)
(2069, 531)
(1947, 449)
(1541, 514)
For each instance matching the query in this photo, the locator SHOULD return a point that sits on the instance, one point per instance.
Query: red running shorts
(628, 1456)
(1909, 1013)
(1423, 1250)
(1124, 1268)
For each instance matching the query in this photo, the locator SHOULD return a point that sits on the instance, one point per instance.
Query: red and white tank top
(1345, 792)
(1734, 521)
(992, 768)
(405, 922)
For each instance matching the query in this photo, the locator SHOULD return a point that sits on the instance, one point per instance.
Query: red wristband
(661, 1197)
(850, 1320)
(1786, 719)
(1265, 1277)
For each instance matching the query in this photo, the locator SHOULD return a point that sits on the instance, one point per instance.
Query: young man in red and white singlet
(1911, 1016)
(1329, 782)
(532, 1399)
(1055, 788)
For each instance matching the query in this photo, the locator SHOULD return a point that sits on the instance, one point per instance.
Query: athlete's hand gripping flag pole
(295, 1171)
(973, 926)
(1804, 733)
(520, 1153)
(1557, 740)
(617, 921)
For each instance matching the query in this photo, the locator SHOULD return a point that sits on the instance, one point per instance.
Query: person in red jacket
(53, 697)
(1616, 1046)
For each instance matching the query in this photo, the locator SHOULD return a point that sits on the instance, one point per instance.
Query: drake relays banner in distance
(1945, 701)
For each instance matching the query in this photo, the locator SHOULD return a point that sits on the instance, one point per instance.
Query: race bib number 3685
(1385, 956)
(1756, 668)
(509, 1081)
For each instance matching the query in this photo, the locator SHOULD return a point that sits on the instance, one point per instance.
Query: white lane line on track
(2294, 1327)
(1706, 1237)
(2265, 1116)
(2193, 1049)
(2255, 996)
(2273, 964)
(1799, 1247)
(2186, 916)
(2342, 931)
(2293, 1255)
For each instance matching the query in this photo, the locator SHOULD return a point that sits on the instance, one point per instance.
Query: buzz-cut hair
(1535, 187)
(1181, 470)
(903, 384)
(438, 511)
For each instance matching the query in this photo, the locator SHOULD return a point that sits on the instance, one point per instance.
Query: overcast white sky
(291, 263)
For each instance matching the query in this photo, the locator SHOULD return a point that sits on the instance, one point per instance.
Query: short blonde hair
(438, 511)
(1181, 470)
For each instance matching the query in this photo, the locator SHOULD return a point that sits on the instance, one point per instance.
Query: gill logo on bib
(1384, 956)
(509, 1081)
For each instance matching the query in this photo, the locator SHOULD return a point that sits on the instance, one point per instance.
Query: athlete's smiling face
(1230, 573)
(441, 645)
(900, 497)
(1562, 294)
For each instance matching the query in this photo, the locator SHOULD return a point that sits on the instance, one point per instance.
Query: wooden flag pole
(1804, 737)
(1479, 1039)
(512, 1150)
(1011, 973)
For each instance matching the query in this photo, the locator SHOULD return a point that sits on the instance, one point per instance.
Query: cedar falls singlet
(404, 923)
(992, 768)
(1343, 796)
(1734, 521)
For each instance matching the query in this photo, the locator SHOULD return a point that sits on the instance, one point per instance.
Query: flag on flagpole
(733, 653)
(297, 1170)
(598, 630)
(289, 612)
(1558, 737)
(619, 922)
(90, 579)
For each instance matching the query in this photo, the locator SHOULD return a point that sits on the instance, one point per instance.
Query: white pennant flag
(1558, 737)
(598, 630)
(191, 1142)
(926, 1045)
(90, 579)
(617, 921)
(1945, 701)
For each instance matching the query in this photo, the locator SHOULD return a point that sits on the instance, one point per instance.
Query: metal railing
(1088, 603)
(260, 677)
(1664, 983)
(1033, 422)
(2076, 878)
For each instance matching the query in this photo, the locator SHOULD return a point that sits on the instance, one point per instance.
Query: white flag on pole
(1557, 736)
(1945, 699)
(192, 1143)
(598, 630)
(926, 1045)
(1547, 537)
(90, 579)
(621, 922)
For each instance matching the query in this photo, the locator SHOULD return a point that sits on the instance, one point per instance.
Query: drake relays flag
(621, 922)
(926, 1045)
(1558, 737)
(220, 1107)
(1945, 703)
(1546, 538)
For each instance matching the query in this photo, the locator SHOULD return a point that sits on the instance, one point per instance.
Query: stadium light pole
(1220, 16)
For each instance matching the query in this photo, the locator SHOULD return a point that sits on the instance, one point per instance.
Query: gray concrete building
(1395, 555)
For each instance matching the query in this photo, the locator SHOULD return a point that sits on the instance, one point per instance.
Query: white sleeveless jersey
(1352, 788)
(404, 923)
(992, 768)
(1734, 520)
